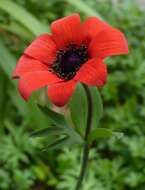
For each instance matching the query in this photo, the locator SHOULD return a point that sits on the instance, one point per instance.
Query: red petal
(60, 93)
(42, 48)
(66, 30)
(93, 26)
(108, 42)
(31, 82)
(26, 64)
(93, 72)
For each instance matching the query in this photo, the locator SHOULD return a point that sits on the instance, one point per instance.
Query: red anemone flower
(73, 53)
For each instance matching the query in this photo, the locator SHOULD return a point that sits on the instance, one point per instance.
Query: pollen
(69, 60)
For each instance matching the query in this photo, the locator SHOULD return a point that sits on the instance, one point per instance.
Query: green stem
(86, 146)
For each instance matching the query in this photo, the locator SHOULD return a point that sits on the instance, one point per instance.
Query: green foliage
(23, 17)
(102, 174)
(118, 163)
(84, 7)
(79, 101)
(103, 133)
(16, 149)
(60, 131)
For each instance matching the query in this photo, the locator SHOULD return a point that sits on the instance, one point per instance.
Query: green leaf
(72, 136)
(55, 117)
(3, 99)
(7, 60)
(103, 133)
(23, 17)
(59, 120)
(7, 63)
(47, 131)
(79, 108)
(97, 106)
(84, 7)
(57, 144)
(36, 117)
(19, 102)
(17, 29)
(75, 137)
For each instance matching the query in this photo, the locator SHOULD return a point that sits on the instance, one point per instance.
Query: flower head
(73, 53)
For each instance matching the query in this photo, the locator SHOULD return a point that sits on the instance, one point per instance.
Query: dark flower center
(69, 60)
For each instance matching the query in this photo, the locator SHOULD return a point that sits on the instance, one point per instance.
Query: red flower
(73, 53)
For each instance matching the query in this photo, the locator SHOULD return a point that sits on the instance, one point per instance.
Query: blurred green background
(116, 164)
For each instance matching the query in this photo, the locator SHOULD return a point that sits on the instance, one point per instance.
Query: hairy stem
(86, 146)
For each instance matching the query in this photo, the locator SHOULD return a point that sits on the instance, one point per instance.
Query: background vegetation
(116, 164)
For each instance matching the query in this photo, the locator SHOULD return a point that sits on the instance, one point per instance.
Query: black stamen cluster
(69, 60)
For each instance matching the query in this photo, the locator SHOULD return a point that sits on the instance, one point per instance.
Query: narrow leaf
(55, 117)
(7, 60)
(79, 109)
(103, 133)
(17, 29)
(57, 144)
(7, 63)
(23, 16)
(59, 120)
(75, 137)
(84, 7)
(97, 106)
(47, 131)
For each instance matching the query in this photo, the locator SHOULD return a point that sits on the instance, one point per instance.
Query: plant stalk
(86, 146)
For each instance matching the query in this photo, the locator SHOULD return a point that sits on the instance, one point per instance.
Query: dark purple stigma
(69, 61)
